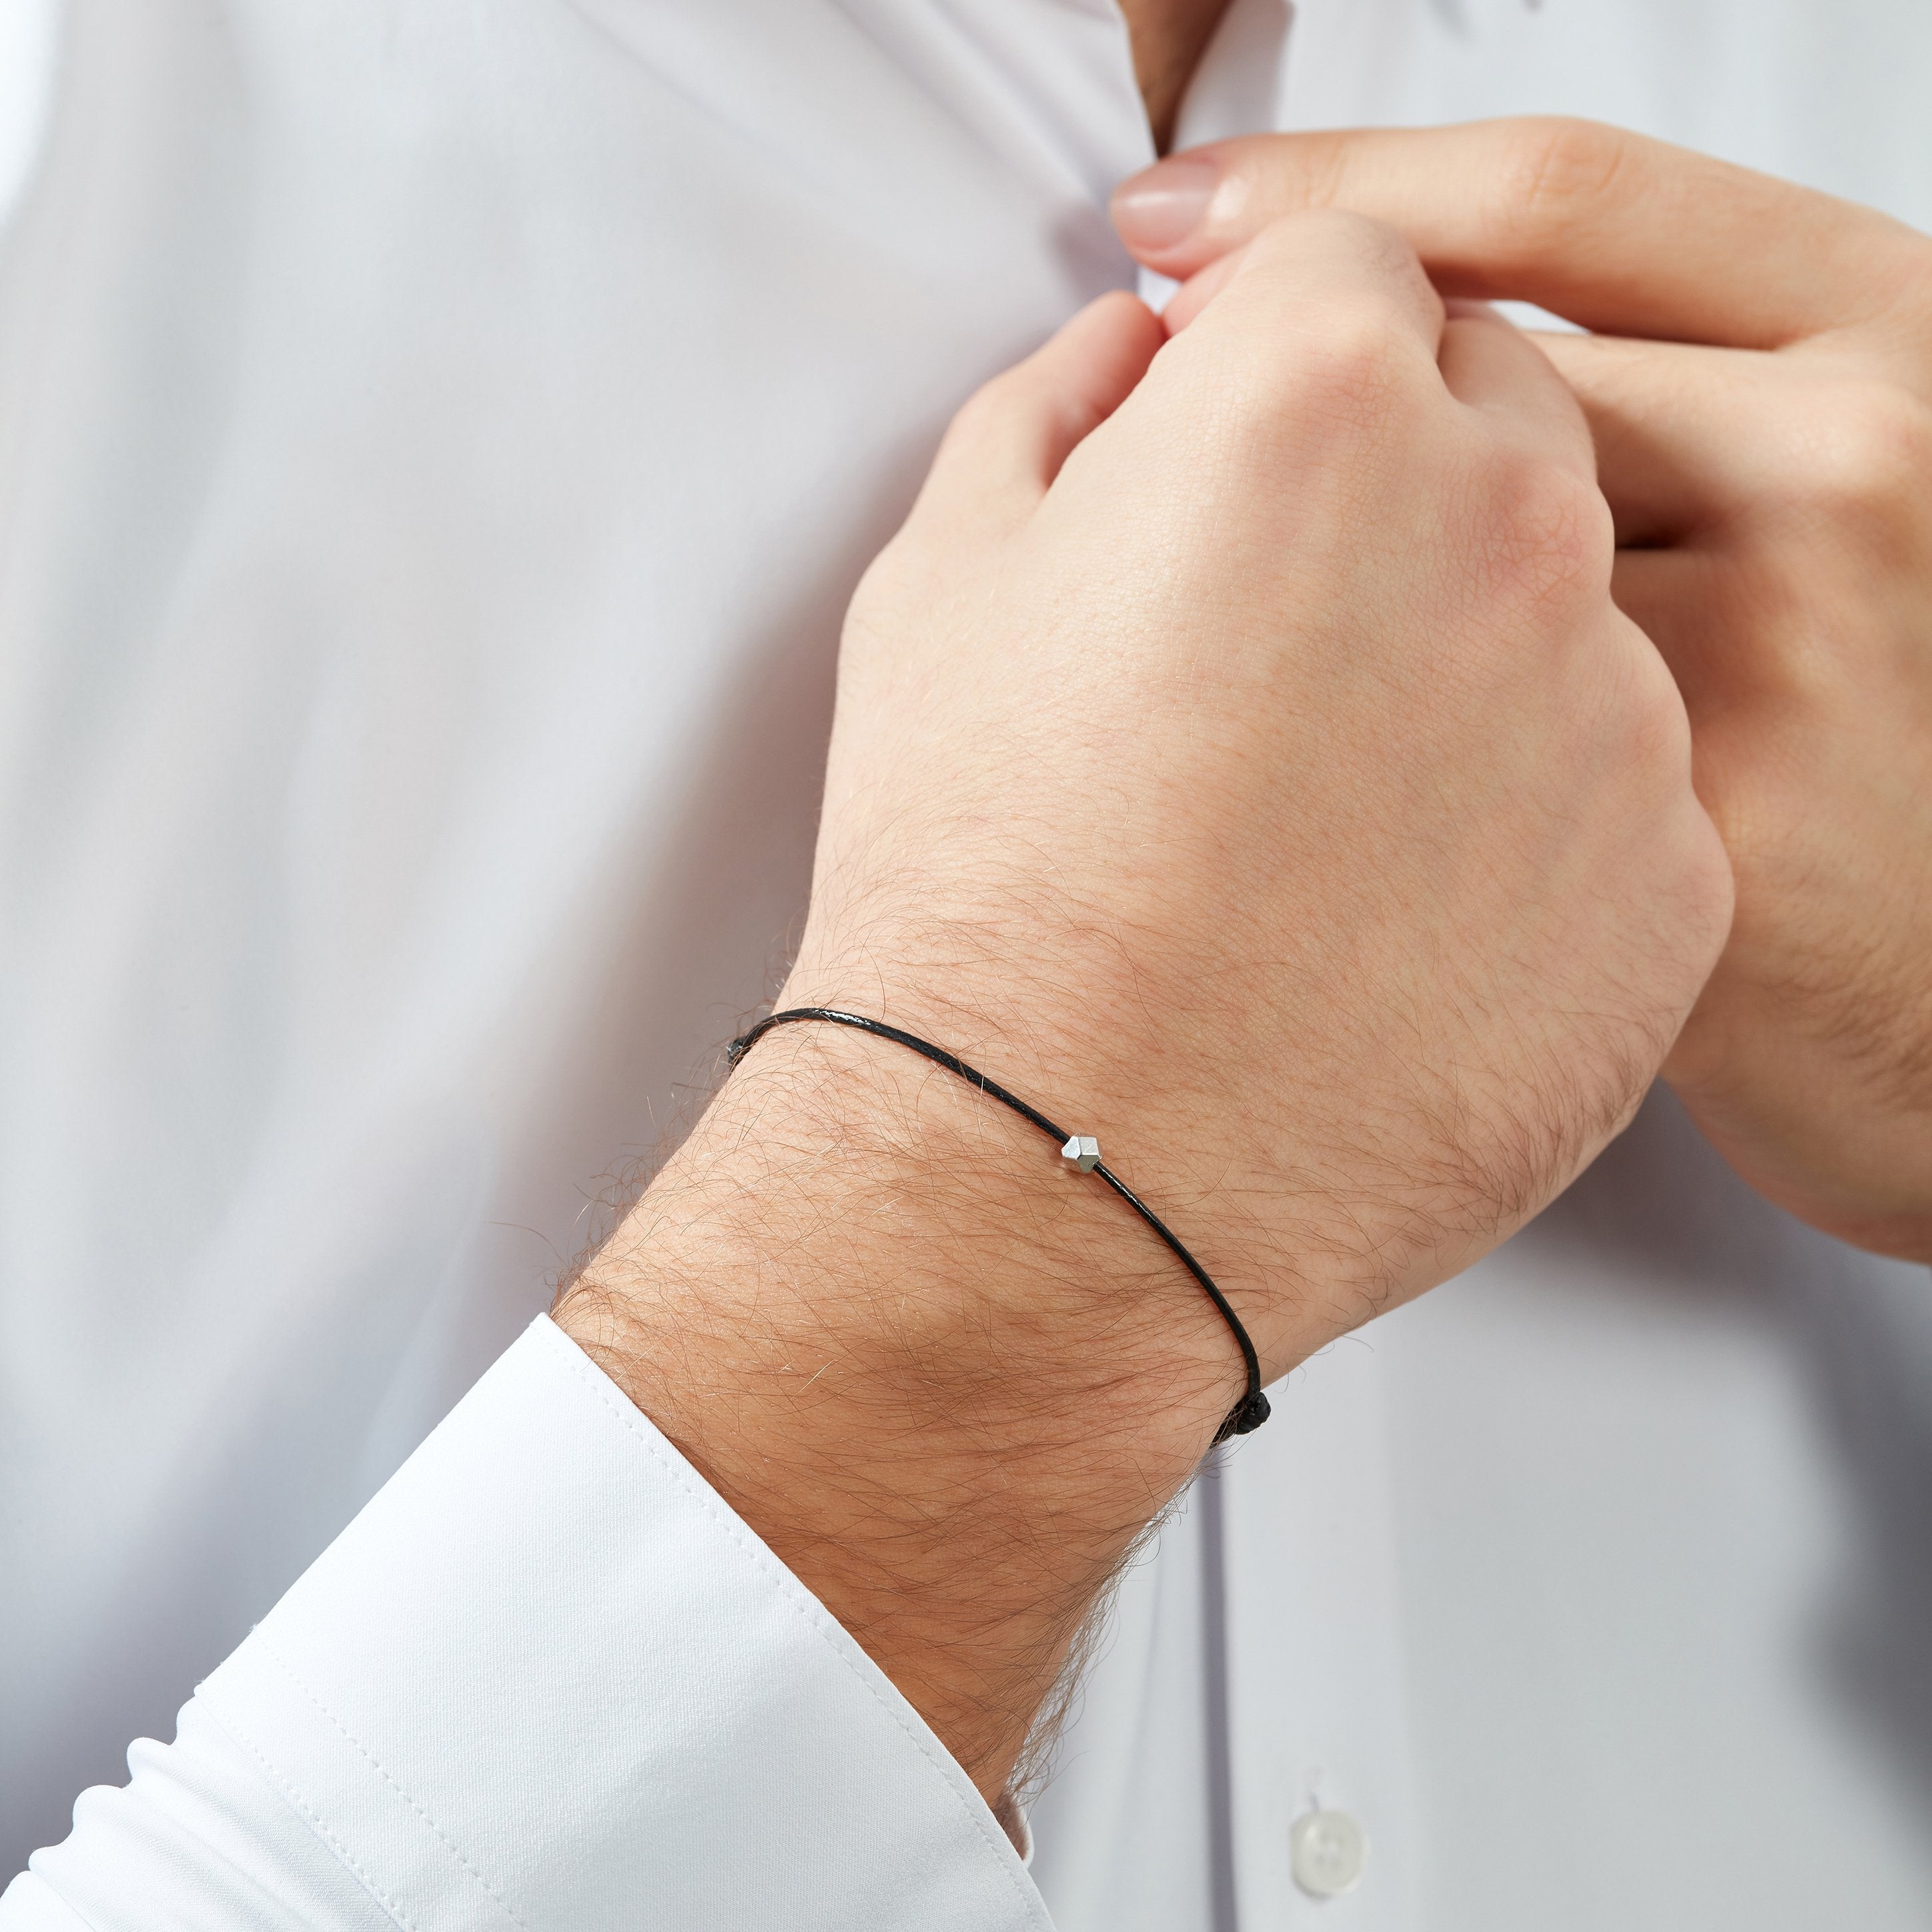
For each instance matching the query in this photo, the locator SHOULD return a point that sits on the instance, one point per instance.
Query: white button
(1327, 1852)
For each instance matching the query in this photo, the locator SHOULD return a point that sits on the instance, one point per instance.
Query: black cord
(1252, 1411)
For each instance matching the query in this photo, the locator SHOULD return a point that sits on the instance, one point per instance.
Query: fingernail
(1159, 208)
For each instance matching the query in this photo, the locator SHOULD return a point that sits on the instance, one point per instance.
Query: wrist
(1113, 1036)
(948, 1380)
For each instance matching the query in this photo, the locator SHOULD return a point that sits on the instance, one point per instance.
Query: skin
(1759, 387)
(1238, 750)
(1169, 37)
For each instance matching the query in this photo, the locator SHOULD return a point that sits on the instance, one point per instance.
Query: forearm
(946, 1381)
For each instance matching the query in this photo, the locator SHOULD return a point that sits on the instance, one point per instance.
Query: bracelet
(1082, 1150)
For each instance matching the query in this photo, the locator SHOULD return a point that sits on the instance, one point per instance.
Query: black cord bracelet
(1252, 1411)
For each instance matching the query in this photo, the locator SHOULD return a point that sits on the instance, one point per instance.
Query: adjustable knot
(1247, 1415)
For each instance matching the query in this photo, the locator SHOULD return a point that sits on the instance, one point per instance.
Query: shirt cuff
(548, 1679)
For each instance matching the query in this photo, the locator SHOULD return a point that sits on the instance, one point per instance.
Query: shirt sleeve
(546, 1679)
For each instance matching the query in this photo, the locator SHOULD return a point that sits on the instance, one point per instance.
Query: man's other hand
(1760, 392)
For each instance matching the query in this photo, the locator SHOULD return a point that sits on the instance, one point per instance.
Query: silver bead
(1084, 1150)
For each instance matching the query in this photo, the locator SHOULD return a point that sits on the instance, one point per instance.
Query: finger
(1687, 439)
(1613, 230)
(1198, 291)
(1493, 367)
(1317, 277)
(1003, 449)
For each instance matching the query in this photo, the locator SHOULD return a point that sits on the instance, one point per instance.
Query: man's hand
(1761, 397)
(1238, 753)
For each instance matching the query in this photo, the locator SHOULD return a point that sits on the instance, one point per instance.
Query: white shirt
(436, 446)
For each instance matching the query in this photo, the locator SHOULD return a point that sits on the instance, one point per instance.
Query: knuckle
(1689, 865)
(1552, 172)
(1658, 741)
(1346, 230)
(1657, 726)
(1347, 310)
(1706, 889)
(1646, 727)
(1351, 369)
(1357, 349)
(1699, 900)
(1548, 534)
(1629, 720)
(1867, 456)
